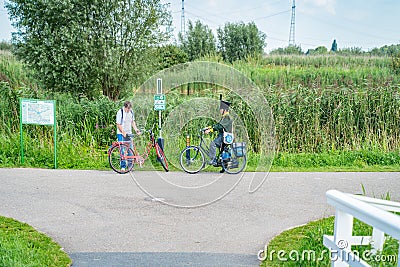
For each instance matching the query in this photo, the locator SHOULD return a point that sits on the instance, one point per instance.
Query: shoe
(235, 163)
(213, 162)
(122, 169)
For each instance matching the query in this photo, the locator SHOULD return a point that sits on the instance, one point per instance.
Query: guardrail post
(378, 239)
(398, 257)
(374, 212)
(342, 235)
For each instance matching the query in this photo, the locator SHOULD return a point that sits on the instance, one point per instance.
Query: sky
(364, 24)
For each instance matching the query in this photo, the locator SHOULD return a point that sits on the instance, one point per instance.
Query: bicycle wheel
(192, 159)
(161, 157)
(117, 157)
(235, 164)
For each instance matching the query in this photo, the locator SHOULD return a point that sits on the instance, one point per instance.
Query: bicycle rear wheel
(235, 164)
(161, 157)
(192, 159)
(119, 162)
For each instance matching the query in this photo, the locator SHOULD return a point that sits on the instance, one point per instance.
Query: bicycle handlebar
(150, 131)
(204, 129)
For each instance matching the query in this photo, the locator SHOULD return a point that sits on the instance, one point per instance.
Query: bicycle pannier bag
(228, 138)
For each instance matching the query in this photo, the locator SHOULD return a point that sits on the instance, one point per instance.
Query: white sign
(37, 111)
(159, 102)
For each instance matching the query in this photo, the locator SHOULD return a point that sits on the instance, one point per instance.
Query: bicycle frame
(137, 158)
(205, 149)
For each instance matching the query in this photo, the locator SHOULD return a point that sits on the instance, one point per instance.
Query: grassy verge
(21, 245)
(359, 161)
(302, 246)
(72, 153)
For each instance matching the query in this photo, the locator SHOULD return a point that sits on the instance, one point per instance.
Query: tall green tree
(239, 40)
(170, 55)
(320, 50)
(289, 50)
(386, 50)
(198, 41)
(88, 47)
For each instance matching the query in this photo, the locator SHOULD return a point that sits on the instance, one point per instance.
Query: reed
(320, 104)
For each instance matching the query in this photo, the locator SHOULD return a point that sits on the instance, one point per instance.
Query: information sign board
(39, 112)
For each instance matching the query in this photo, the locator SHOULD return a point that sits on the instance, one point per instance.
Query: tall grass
(319, 71)
(321, 104)
(323, 119)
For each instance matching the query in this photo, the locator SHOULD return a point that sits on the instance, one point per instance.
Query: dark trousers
(213, 147)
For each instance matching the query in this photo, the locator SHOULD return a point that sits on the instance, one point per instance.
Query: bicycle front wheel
(121, 159)
(192, 159)
(235, 164)
(161, 157)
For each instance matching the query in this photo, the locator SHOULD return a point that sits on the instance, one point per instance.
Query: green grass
(74, 154)
(337, 169)
(359, 160)
(307, 240)
(22, 246)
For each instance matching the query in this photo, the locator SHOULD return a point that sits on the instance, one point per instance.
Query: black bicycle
(231, 157)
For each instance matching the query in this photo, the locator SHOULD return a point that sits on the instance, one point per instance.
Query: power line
(348, 28)
(219, 15)
(241, 10)
(202, 18)
(265, 17)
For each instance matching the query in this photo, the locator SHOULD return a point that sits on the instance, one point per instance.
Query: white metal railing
(372, 211)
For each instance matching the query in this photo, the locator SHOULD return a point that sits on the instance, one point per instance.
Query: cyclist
(225, 124)
(125, 120)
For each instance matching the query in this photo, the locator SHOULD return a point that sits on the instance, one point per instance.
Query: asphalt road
(104, 219)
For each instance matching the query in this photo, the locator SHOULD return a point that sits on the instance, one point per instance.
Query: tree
(289, 50)
(238, 40)
(386, 50)
(88, 47)
(350, 51)
(199, 41)
(334, 46)
(6, 46)
(169, 55)
(320, 50)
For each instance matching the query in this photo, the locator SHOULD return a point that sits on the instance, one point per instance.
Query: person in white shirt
(125, 120)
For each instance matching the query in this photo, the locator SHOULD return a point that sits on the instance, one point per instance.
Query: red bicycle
(122, 157)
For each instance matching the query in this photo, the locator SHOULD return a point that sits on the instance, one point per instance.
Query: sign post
(39, 112)
(159, 104)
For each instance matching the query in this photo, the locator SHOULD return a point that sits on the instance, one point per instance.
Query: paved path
(104, 219)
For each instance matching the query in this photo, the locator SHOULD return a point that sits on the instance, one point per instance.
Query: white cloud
(327, 5)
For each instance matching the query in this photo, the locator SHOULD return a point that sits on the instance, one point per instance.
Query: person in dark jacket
(225, 124)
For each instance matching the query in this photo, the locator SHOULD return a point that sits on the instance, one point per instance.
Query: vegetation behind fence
(321, 104)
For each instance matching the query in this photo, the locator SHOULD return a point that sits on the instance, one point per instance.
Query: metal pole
(159, 123)
(55, 136)
(159, 92)
(20, 130)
